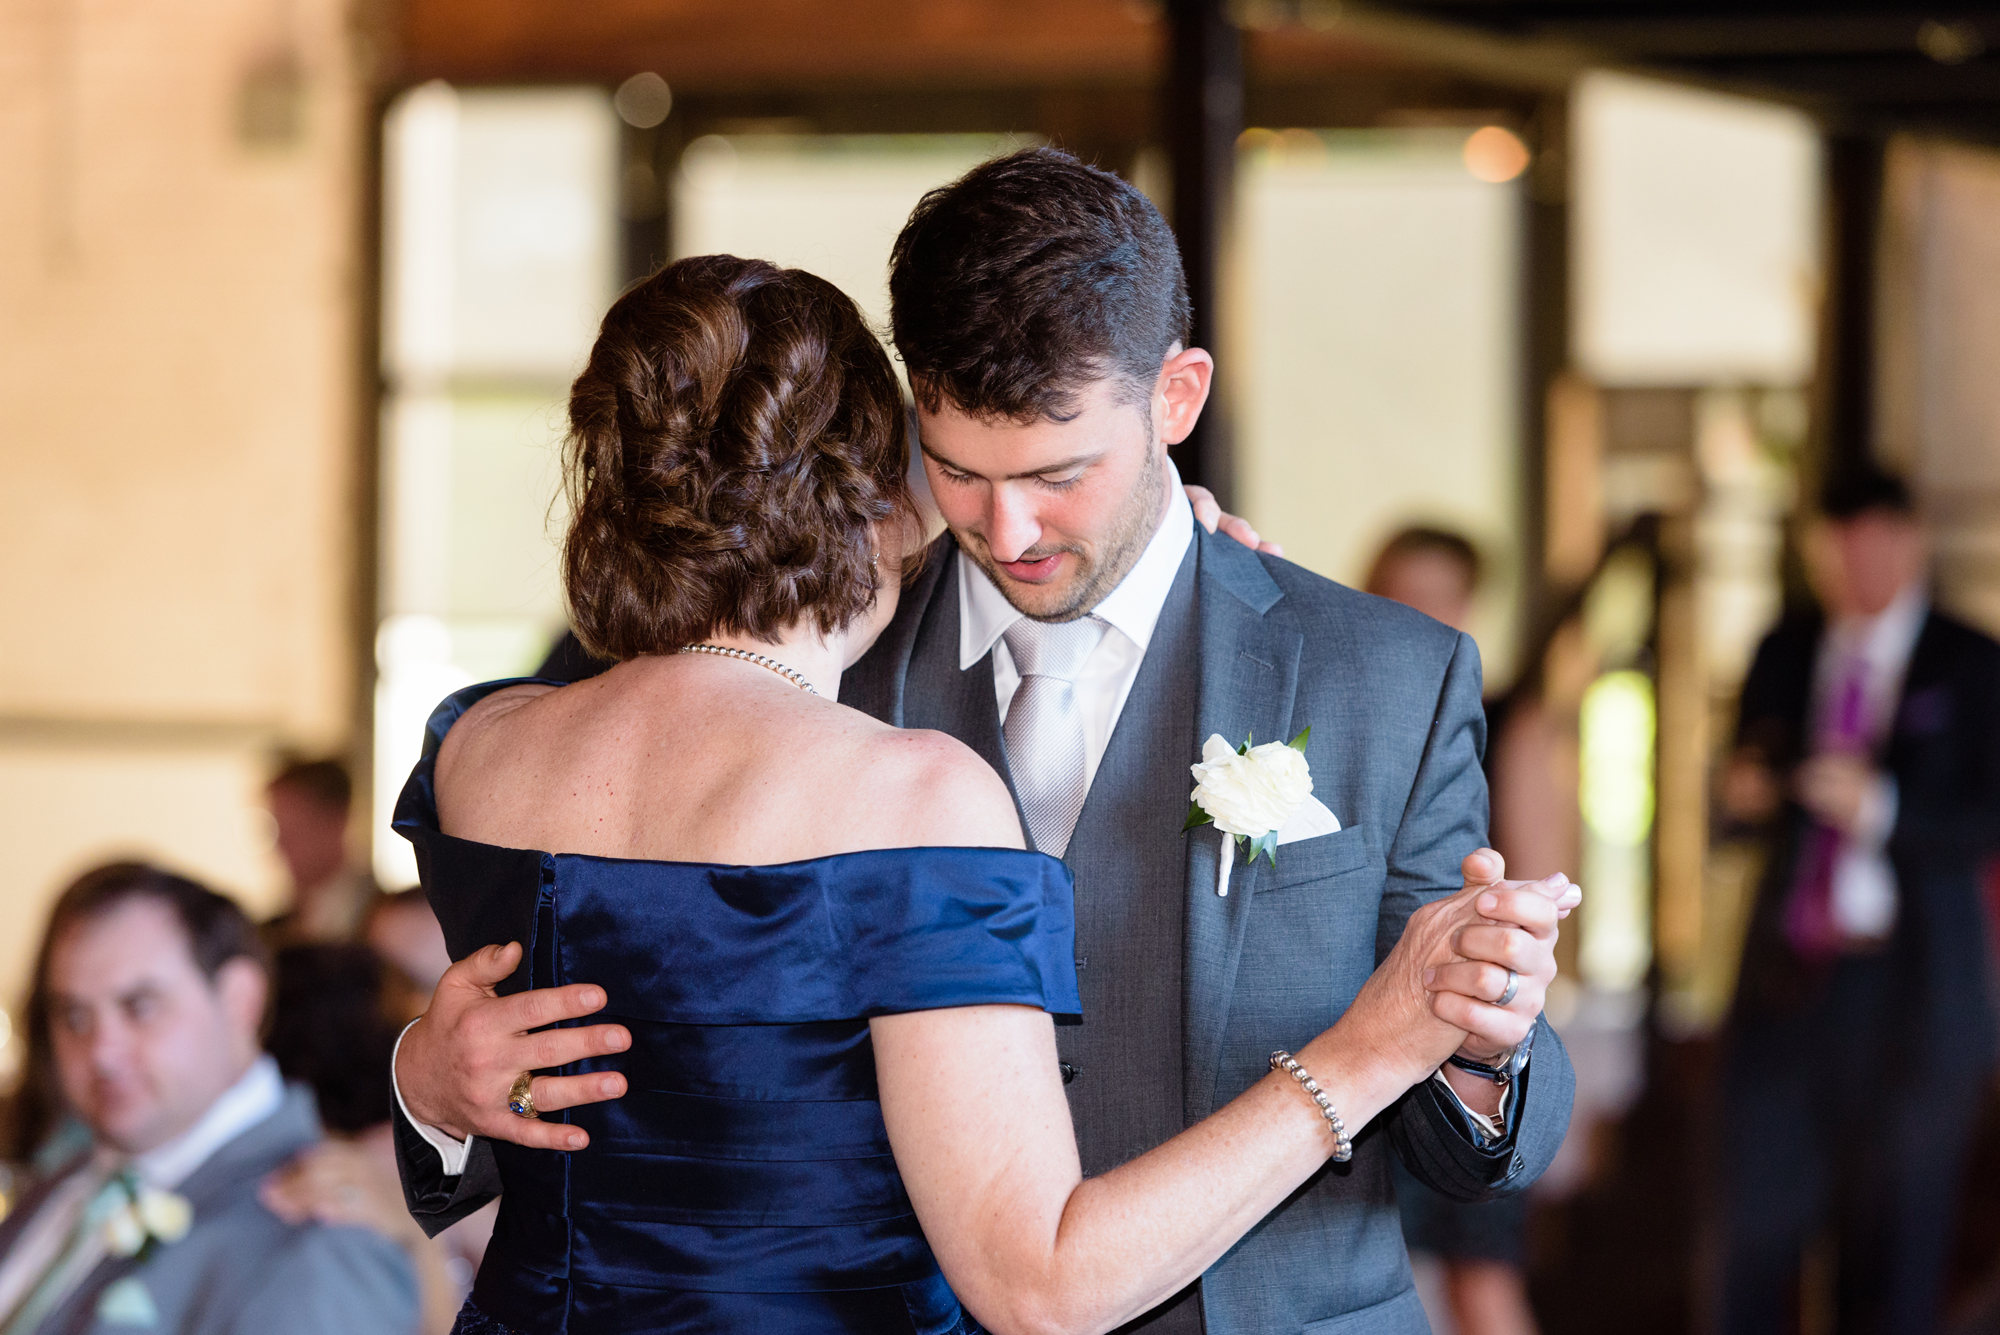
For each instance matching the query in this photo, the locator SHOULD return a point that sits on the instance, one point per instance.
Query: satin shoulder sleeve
(860, 934)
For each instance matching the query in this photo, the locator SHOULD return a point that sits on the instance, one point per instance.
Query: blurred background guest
(404, 932)
(153, 988)
(1479, 1249)
(310, 802)
(338, 1010)
(1433, 570)
(1868, 748)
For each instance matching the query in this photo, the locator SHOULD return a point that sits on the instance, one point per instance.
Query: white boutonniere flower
(1249, 792)
(143, 1218)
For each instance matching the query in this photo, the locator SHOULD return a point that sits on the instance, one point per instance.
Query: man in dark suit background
(1869, 748)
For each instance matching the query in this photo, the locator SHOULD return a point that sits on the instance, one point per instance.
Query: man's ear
(1181, 391)
(244, 989)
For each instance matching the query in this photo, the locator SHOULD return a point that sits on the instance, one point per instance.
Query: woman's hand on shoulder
(940, 793)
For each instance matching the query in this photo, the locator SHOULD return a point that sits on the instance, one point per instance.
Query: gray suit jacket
(241, 1270)
(1393, 699)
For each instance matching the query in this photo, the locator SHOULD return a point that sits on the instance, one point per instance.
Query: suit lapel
(1248, 677)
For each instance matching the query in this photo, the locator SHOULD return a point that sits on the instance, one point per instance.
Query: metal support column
(1204, 115)
(1845, 426)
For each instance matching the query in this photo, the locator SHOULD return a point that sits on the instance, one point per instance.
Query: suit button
(1068, 1072)
(1082, 961)
(1516, 1165)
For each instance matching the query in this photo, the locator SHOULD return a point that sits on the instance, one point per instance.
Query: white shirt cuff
(454, 1153)
(1491, 1126)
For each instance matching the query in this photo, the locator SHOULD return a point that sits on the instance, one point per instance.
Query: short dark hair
(1029, 277)
(1424, 540)
(330, 1030)
(734, 440)
(325, 780)
(217, 930)
(1853, 492)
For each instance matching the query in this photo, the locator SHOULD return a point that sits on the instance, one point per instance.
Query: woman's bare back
(694, 759)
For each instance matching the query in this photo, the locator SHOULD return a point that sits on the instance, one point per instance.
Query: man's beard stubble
(1137, 520)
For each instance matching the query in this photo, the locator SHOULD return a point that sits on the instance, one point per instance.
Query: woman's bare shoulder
(938, 791)
(484, 720)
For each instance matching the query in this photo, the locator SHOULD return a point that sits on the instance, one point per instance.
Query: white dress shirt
(1864, 884)
(1131, 611)
(258, 1094)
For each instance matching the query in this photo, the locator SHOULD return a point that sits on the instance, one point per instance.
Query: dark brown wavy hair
(734, 441)
(1026, 279)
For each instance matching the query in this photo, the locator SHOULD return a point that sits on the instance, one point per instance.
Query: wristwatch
(1505, 1071)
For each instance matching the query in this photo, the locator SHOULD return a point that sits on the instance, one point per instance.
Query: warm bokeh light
(1256, 139)
(1494, 154)
(644, 100)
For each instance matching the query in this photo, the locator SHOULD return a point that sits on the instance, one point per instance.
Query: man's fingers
(534, 1134)
(1483, 867)
(483, 970)
(1486, 1023)
(560, 1047)
(550, 1005)
(1471, 978)
(1508, 947)
(1529, 910)
(553, 1093)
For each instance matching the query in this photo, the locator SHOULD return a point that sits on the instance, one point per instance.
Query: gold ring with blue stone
(520, 1099)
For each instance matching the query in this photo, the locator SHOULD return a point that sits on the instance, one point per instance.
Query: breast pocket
(1316, 859)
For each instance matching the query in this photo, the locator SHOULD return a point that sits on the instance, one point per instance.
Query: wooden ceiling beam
(721, 44)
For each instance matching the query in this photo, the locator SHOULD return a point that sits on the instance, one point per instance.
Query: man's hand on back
(456, 1065)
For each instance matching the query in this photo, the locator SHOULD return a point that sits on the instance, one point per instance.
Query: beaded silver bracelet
(1343, 1148)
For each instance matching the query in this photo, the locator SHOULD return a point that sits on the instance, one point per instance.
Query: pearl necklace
(792, 675)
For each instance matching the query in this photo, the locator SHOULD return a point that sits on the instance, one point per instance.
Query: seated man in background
(153, 988)
(310, 802)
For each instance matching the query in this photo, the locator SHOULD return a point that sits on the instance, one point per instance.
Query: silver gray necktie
(1044, 727)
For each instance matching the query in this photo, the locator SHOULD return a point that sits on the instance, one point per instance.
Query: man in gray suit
(153, 991)
(1078, 630)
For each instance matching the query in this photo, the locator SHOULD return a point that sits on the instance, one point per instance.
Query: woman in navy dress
(841, 1112)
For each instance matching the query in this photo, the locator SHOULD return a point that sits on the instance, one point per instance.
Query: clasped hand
(1437, 992)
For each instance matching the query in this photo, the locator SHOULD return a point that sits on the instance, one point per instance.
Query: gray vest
(1124, 1063)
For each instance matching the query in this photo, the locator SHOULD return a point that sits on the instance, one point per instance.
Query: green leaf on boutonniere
(1298, 743)
(1196, 817)
(1267, 844)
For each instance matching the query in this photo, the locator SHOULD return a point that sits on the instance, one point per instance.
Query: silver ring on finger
(1507, 993)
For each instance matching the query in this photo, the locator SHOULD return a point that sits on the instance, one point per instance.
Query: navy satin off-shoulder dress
(745, 1183)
